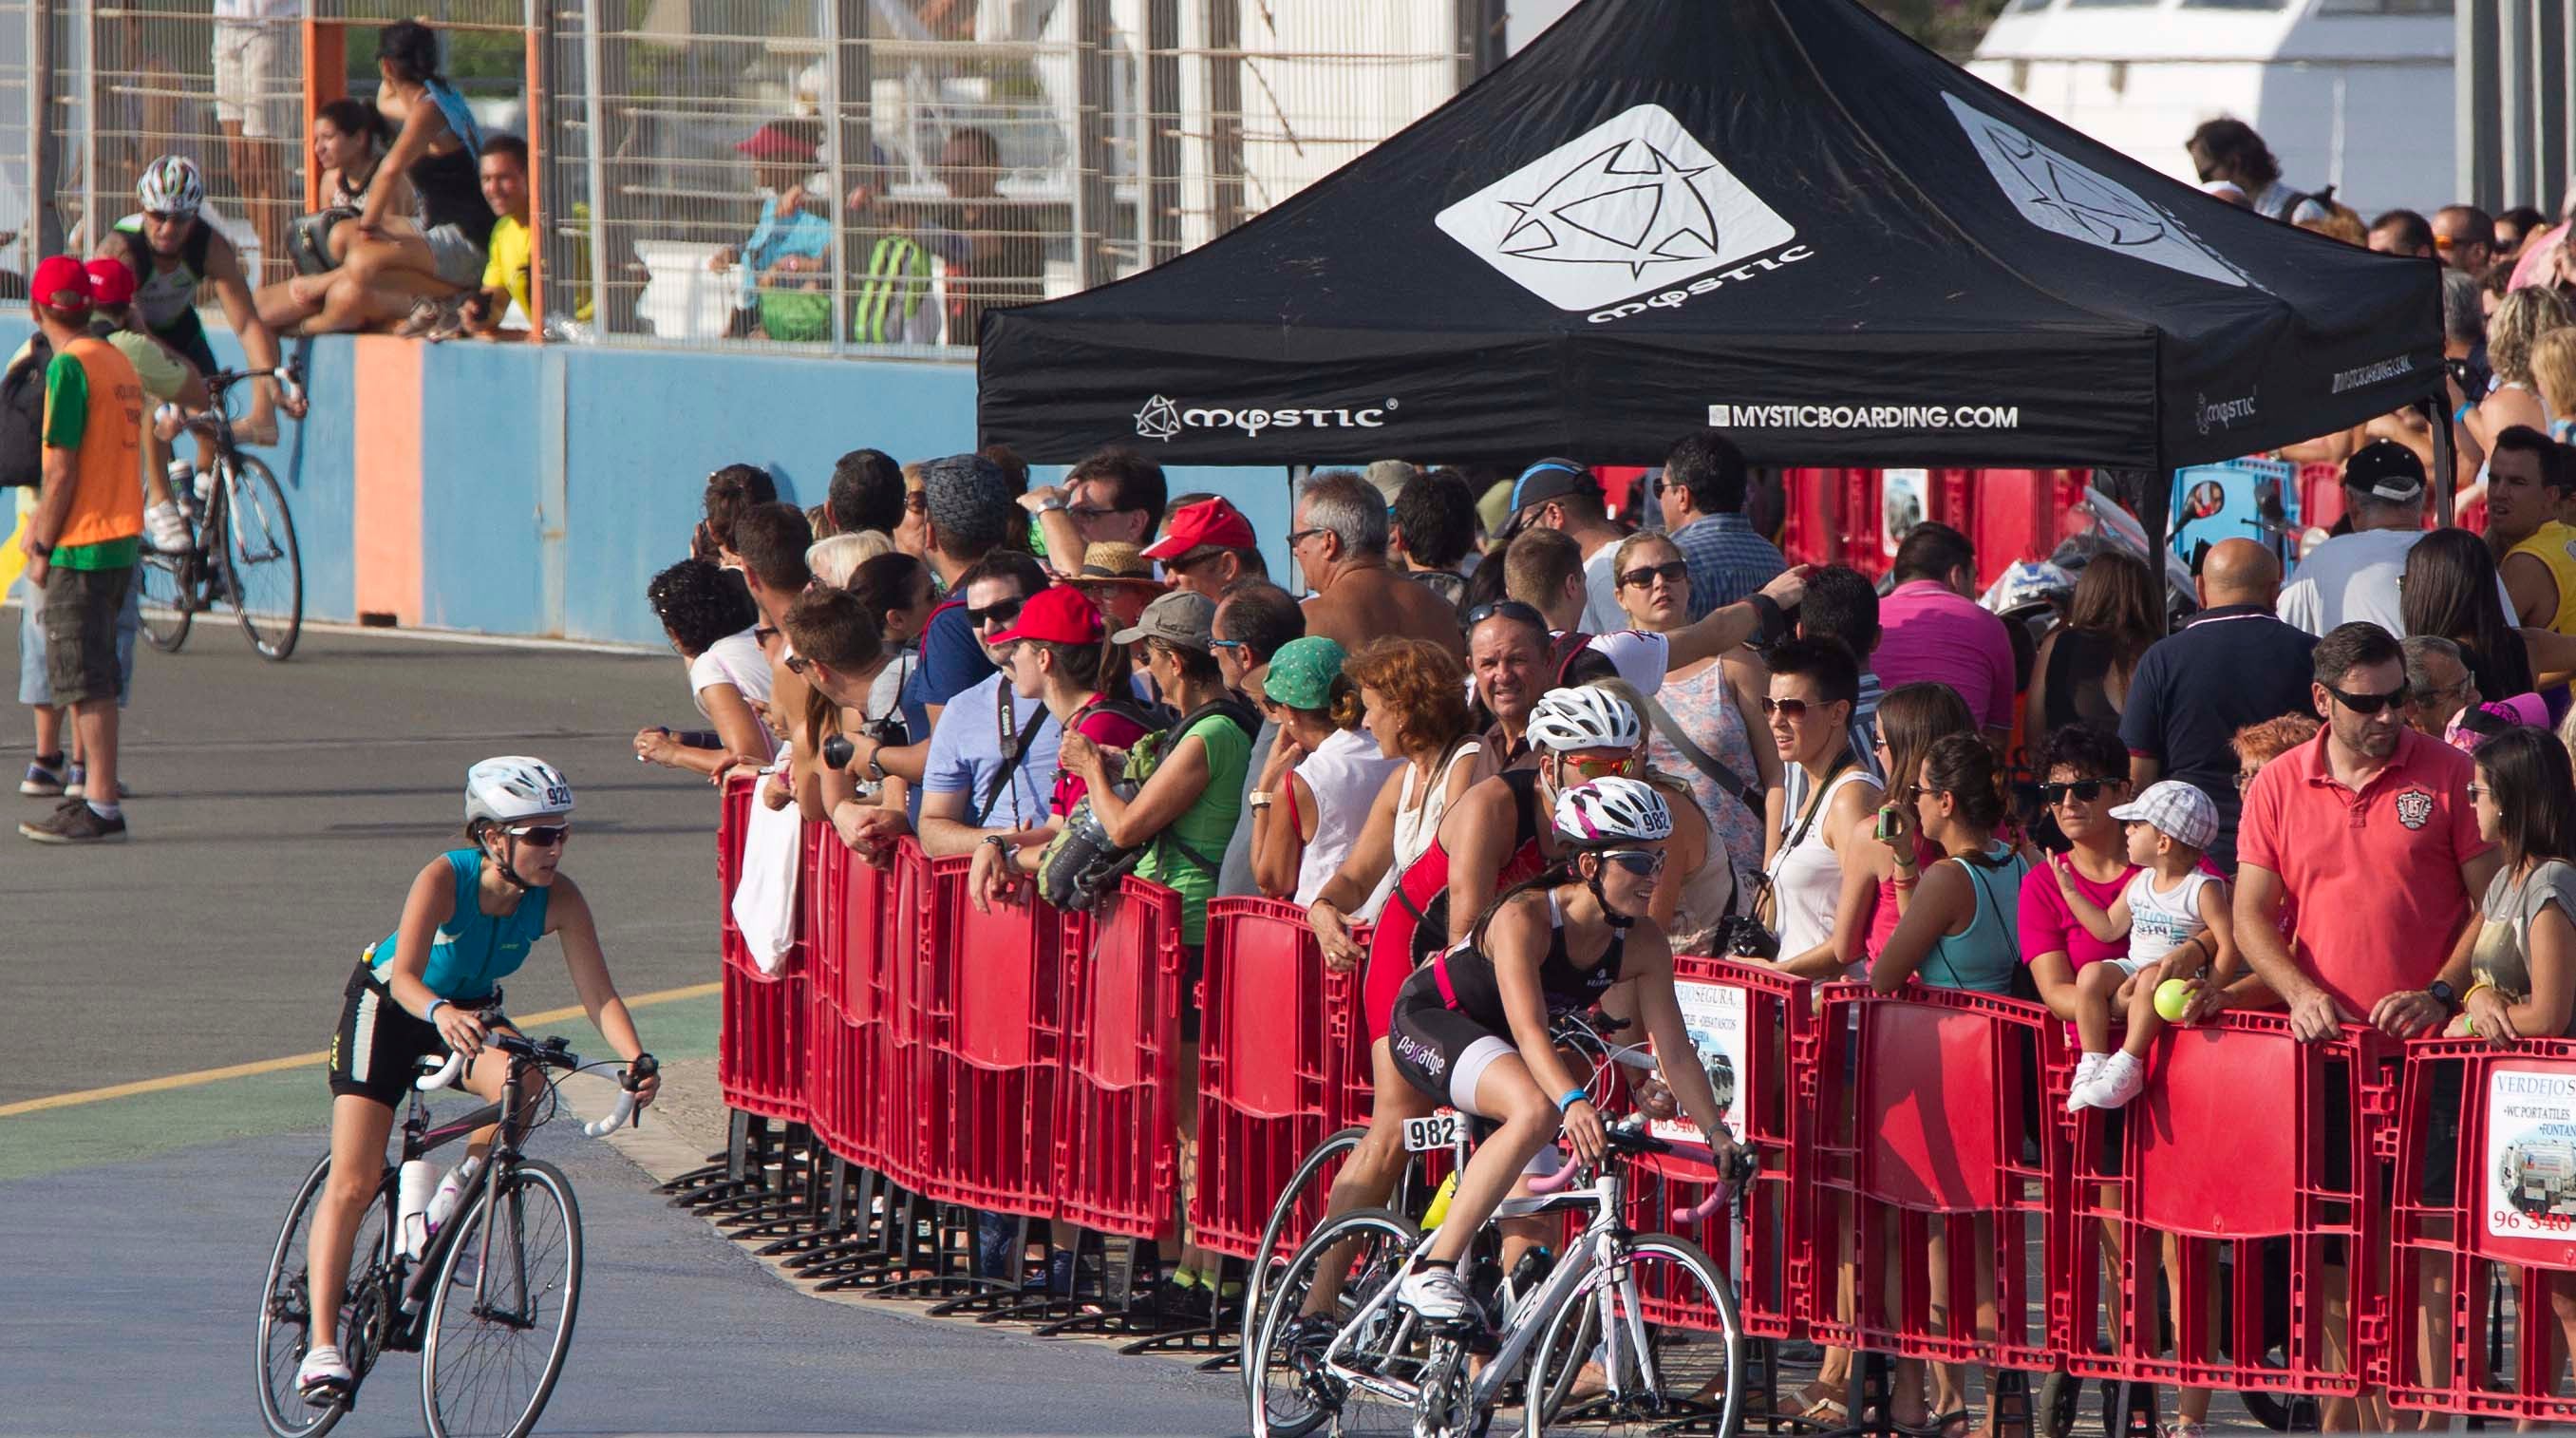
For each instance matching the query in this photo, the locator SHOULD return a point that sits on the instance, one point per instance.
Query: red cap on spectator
(1210, 521)
(110, 282)
(784, 140)
(1060, 615)
(61, 284)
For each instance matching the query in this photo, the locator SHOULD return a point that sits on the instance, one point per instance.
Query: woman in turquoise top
(470, 919)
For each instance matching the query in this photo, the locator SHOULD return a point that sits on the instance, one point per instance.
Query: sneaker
(43, 781)
(323, 1377)
(168, 528)
(75, 823)
(1438, 1294)
(76, 784)
(2087, 1069)
(2122, 1079)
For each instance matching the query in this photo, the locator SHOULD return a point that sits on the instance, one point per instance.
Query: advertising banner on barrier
(1714, 1015)
(2531, 1152)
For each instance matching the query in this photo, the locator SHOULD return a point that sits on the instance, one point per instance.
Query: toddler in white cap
(2176, 916)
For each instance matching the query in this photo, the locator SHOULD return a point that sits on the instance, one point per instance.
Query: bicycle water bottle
(183, 487)
(413, 1189)
(1439, 1208)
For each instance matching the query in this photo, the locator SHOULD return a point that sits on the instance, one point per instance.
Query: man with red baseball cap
(83, 539)
(1207, 546)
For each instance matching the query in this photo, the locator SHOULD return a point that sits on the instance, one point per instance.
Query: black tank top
(2079, 677)
(1465, 977)
(451, 193)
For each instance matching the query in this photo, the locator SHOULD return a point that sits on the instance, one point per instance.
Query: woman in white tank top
(1414, 693)
(1813, 687)
(1323, 774)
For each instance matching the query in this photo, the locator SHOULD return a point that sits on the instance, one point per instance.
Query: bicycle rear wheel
(1293, 1215)
(1651, 1345)
(498, 1335)
(170, 597)
(259, 552)
(286, 1307)
(1290, 1394)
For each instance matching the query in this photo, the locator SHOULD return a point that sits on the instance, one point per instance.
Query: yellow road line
(270, 1066)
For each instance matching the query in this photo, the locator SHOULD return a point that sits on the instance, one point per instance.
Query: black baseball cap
(1545, 480)
(2387, 470)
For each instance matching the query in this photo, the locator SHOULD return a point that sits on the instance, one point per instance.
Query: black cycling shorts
(377, 1047)
(1439, 1050)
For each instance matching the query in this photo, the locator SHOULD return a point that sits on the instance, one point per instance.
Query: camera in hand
(840, 749)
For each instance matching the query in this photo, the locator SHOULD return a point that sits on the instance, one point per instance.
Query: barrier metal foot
(1223, 1339)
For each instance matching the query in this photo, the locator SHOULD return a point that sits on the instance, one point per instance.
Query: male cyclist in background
(172, 250)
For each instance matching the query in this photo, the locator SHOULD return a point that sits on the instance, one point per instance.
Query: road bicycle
(1627, 1333)
(241, 542)
(488, 1300)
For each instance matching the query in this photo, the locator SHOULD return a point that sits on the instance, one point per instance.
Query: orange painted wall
(387, 502)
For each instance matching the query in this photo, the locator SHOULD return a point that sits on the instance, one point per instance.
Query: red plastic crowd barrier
(992, 1054)
(2483, 1273)
(1270, 1086)
(1749, 1022)
(1929, 1128)
(2262, 1297)
(761, 1064)
(1117, 1144)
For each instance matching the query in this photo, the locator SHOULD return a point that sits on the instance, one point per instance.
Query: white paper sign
(2531, 1153)
(1714, 1016)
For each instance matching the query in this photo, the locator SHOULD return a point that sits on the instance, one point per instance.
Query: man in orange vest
(84, 539)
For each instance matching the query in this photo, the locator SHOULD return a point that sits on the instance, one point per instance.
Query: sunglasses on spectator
(2369, 703)
(1216, 644)
(763, 633)
(798, 664)
(1674, 571)
(1002, 613)
(1795, 709)
(1601, 768)
(916, 501)
(1508, 609)
(1090, 511)
(2084, 791)
(1644, 863)
(544, 836)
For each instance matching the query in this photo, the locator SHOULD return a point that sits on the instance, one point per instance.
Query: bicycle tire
(260, 554)
(170, 603)
(1552, 1404)
(284, 1307)
(1269, 1361)
(447, 1359)
(1313, 1177)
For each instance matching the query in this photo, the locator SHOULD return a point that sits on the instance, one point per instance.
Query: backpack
(1080, 866)
(22, 418)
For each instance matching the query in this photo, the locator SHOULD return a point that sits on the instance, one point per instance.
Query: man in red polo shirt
(2367, 834)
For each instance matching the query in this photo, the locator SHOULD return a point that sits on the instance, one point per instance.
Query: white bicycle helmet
(1566, 720)
(171, 186)
(514, 787)
(1606, 811)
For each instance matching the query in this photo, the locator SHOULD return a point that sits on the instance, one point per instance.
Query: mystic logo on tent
(2066, 198)
(1630, 205)
(1160, 418)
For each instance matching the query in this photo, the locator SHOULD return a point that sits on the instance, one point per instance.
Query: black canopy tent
(1778, 218)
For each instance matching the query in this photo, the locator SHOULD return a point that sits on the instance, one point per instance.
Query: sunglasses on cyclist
(1644, 863)
(1671, 571)
(2085, 791)
(997, 614)
(544, 836)
(2370, 703)
(1601, 768)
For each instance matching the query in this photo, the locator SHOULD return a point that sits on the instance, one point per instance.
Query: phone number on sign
(2514, 1220)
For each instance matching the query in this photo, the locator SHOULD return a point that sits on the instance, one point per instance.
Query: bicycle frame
(420, 1139)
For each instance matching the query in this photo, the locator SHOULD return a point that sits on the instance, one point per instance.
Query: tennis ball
(2173, 999)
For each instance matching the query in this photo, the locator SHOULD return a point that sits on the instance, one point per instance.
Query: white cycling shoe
(168, 528)
(323, 1377)
(1437, 1294)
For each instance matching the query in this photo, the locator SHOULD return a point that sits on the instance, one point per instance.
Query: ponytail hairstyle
(411, 48)
(1964, 767)
(1564, 871)
(1342, 704)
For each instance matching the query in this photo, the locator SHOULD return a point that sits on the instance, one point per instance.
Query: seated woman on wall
(349, 143)
(397, 270)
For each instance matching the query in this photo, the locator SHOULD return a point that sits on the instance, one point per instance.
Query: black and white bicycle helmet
(1602, 813)
(1566, 720)
(514, 788)
(171, 185)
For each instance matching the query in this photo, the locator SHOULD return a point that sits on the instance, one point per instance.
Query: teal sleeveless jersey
(472, 951)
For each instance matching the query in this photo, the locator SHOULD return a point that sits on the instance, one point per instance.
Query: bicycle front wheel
(1355, 1256)
(259, 551)
(1647, 1345)
(286, 1308)
(509, 1286)
(170, 601)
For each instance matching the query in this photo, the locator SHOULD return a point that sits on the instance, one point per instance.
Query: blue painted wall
(610, 449)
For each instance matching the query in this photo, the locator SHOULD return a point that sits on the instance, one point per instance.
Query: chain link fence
(858, 175)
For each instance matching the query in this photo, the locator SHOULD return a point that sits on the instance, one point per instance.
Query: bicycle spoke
(286, 1309)
(1651, 1345)
(498, 1342)
(263, 570)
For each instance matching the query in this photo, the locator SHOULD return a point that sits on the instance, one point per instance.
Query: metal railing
(836, 175)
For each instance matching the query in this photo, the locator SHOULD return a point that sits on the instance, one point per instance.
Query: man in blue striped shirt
(1702, 495)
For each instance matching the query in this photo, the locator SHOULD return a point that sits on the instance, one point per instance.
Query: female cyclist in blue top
(469, 922)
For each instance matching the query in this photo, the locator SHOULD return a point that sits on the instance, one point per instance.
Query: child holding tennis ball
(2176, 916)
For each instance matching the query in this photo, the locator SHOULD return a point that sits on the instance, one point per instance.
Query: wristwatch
(876, 770)
(2443, 994)
(40, 549)
(1054, 504)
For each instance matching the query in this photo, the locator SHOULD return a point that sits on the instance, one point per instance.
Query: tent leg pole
(2446, 465)
(2155, 516)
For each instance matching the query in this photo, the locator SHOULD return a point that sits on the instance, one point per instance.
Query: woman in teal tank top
(469, 921)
